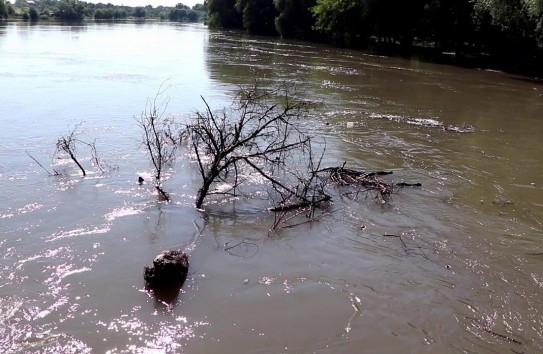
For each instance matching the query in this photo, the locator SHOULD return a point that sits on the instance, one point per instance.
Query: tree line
(507, 33)
(73, 10)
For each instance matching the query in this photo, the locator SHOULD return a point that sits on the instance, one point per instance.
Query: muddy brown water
(462, 269)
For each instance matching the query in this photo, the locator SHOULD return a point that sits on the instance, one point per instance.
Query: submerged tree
(158, 138)
(257, 143)
(67, 147)
(258, 134)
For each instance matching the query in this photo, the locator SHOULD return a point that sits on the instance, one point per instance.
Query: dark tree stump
(168, 272)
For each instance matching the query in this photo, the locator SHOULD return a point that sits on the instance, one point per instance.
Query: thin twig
(39, 164)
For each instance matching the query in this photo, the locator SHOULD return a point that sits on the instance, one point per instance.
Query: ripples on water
(454, 266)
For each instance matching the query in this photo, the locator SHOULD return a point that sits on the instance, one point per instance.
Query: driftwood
(301, 205)
(370, 180)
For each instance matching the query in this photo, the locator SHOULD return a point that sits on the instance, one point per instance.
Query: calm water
(463, 275)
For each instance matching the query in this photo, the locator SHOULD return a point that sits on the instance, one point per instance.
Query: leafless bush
(159, 137)
(259, 133)
(67, 147)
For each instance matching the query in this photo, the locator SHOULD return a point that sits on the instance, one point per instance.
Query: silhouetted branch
(56, 173)
(158, 137)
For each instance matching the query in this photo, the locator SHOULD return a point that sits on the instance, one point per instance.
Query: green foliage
(199, 8)
(447, 23)
(192, 16)
(258, 16)
(33, 14)
(183, 13)
(506, 31)
(223, 14)
(177, 14)
(75, 10)
(295, 19)
(3, 10)
(6, 10)
(71, 10)
(341, 20)
(509, 27)
(139, 12)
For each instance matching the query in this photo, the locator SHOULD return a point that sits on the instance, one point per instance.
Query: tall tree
(140, 12)
(71, 10)
(258, 16)
(3, 10)
(295, 19)
(508, 27)
(448, 23)
(341, 20)
(223, 14)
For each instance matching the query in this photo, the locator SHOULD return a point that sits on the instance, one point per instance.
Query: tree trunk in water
(202, 193)
(72, 156)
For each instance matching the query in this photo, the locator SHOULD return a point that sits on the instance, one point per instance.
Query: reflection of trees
(230, 57)
(233, 57)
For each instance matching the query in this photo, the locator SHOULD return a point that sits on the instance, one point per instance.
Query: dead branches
(158, 138)
(257, 134)
(67, 147)
(54, 173)
(368, 180)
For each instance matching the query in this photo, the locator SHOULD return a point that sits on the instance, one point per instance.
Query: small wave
(337, 86)
(424, 122)
(121, 212)
(23, 210)
(80, 232)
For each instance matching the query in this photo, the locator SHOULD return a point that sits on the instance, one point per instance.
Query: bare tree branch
(158, 137)
(54, 173)
(255, 133)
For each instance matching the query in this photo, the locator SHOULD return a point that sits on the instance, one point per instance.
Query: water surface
(462, 273)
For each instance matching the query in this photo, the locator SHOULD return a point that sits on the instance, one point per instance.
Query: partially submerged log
(168, 272)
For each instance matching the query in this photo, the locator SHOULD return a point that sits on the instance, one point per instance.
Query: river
(454, 266)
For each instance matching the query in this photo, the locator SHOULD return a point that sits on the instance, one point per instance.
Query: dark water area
(462, 273)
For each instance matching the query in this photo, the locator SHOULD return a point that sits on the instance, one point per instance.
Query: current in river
(454, 266)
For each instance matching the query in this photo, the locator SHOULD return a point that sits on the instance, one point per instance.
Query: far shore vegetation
(495, 34)
(73, 10)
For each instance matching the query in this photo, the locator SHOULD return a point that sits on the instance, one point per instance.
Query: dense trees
(503, 33)
(71, 10)
(6, 9)
(75, 10)
(258, 15)
(224, 14)
(295, 19)
(509, 32)
(3, 10)
(33, 14)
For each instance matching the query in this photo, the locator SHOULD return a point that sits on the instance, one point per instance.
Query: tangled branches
(158, 138)
(370, 181)
(258, 140)
(256, 134)
(67, 146)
